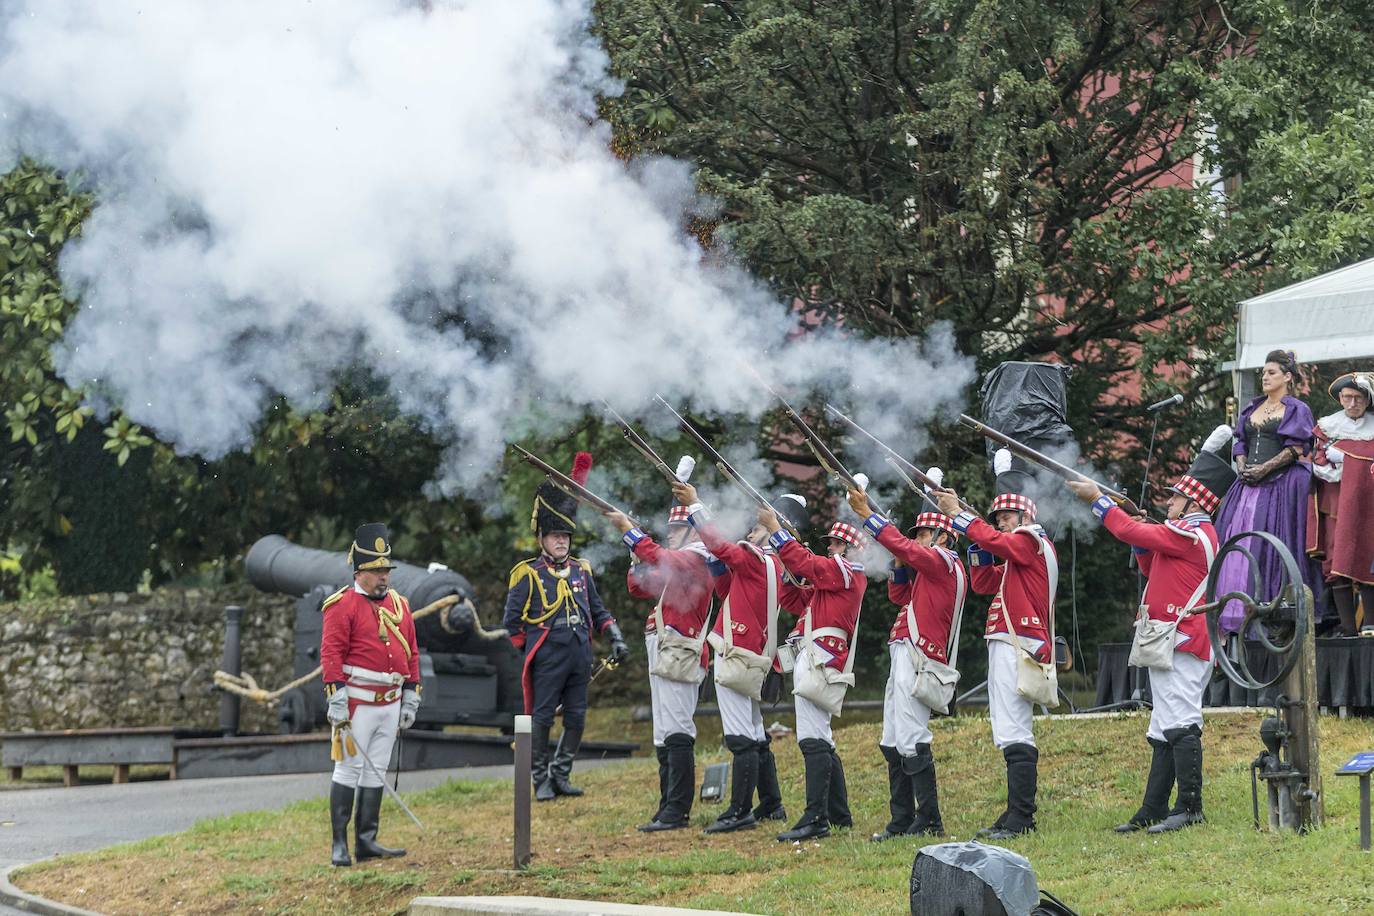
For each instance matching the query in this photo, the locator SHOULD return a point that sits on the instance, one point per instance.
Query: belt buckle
(574, 620)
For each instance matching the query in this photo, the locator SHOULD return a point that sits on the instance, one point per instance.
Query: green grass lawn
(1092, 772)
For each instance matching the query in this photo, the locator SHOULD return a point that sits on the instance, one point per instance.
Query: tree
(1020, 169)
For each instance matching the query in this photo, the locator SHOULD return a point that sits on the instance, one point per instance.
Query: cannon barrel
(274, 564)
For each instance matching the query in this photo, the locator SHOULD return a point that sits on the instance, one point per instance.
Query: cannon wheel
(1282, 618)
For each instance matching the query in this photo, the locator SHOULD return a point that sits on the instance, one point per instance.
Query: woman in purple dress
(1270, 493)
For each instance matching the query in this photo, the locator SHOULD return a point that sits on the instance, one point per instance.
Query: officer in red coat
(678, 577)
(928, 585)
(837, 585)
(552, 609)
(753, 589)
(371, 668)
(1014, 561)
(1176, 556)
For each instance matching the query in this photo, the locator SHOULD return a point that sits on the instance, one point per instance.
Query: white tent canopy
(1327, 318)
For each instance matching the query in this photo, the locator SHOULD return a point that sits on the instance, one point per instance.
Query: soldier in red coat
(1176, 556)
(928, 585)
(370, 663)
(678, 577)
(824, 636)
(1014, 561)
(753, 590)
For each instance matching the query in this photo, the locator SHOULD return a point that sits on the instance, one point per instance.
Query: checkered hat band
(1192, 488)
(845, 532)
(1012, 502)
(678, 515)
(935, 520)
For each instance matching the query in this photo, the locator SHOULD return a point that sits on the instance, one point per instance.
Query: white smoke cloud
(288, 188)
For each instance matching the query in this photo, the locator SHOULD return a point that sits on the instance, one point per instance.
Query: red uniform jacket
(350, 637)
(1173, 557)
(745, 586)
(836, 594)
(936, 594)
(681, 577)
(1022, 584)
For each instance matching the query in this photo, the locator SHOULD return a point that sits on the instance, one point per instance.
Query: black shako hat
(371, 548)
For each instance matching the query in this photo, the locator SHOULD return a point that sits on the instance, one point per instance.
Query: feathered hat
(554, 510)
(1010, 486)
(1211, 474)
(937, 520)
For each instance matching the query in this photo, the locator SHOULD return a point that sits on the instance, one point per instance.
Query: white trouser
(1011, 713)
(739, 714)
(1177, 694)
(673, 702)
(374, 729)
(906, 720)
(812, 721)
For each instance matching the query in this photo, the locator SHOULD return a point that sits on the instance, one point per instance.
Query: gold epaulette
(519, 571)
(334, 598)
(585, 564)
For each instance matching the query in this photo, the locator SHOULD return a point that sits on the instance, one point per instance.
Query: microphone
(1167, 402)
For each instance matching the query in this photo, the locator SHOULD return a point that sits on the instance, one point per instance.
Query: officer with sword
(370, 663)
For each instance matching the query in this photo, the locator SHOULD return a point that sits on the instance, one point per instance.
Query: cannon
(470, 675)
(1281, 623)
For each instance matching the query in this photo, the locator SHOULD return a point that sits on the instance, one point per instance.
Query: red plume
(582, 467)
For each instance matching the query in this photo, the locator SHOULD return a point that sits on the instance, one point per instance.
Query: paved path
(38, 823)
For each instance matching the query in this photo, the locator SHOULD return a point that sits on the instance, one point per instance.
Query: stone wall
(129, 660)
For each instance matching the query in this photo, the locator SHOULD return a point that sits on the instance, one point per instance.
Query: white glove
(1334, 455)
(338, 707)
(410, 704)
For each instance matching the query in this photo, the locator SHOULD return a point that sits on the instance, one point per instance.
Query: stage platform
(1345, 677)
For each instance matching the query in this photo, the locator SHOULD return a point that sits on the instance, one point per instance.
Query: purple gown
(1277, 504)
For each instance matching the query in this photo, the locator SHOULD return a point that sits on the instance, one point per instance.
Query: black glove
(619, 651)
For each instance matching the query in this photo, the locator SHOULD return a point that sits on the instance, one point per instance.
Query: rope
(244, 686)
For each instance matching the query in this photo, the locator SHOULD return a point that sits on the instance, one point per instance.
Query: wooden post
(16, 774)
(523, 747)
(121, 774)
(70, 777)
(1301, 689)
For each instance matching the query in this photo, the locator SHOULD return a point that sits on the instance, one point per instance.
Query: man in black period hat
(370, 663)
(551, 607)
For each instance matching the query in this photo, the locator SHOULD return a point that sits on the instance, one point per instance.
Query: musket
(724, 466)
(568, 485)
(1042, 460)
(637, 442)
(814, 442)
(921, 482)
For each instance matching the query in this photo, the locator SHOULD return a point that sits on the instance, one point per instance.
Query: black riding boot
(1186, 744)
(920, 769)
(1022, 760)
(815, 820)
(839, 794)
(560, 768)
(679, 784)
(1158, 786)
(340, 810)
(770, 806)
(365, 845)
(662, 754)
(1343, 597)
(744, 778)
(901, 804)
(539, 763)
